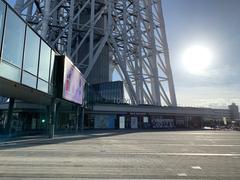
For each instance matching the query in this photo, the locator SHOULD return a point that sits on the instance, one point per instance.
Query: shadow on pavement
(29, 141)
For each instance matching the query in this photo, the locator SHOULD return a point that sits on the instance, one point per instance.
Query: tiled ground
(125, 155)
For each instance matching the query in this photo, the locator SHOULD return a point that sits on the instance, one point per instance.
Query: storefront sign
(162, 123)
(104, 121)
(145, 119)
(134, 122)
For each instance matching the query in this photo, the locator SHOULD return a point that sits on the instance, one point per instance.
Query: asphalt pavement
(124, 155)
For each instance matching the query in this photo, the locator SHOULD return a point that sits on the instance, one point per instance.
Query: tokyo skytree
(107, 37)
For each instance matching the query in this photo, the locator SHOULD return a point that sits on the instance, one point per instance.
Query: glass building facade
(108, 92)
(25, 57)
(27, 62)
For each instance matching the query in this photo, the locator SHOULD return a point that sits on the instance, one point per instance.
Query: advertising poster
(134, 122)
(104, 121)
(73, 88)
(146, 122)
(121, 122)
(162, 123)
(145, 119)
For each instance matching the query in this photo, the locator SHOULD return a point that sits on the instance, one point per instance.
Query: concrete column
(82, 120)
(77, 118)
(9, 116)
(52, 118)
(48, 117)
(187, 121)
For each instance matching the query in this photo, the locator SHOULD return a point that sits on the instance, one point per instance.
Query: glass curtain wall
(12, 52)
(30, 62)
(2, 15)
(109, 92)
(25, 57)
(13, 39)
(44, 64)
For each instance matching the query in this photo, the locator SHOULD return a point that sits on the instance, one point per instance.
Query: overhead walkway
(32, 71)
(27, 61)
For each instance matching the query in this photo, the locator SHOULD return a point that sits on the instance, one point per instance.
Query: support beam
(52, 118)
(78, 119)
(82, 119)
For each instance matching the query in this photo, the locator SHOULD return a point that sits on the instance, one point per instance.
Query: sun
(197, 59)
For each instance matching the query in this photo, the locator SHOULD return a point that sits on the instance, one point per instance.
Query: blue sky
(216, 25)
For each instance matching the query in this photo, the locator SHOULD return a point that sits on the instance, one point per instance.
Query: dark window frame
(10, 9)
(38, 51)
(3, 28)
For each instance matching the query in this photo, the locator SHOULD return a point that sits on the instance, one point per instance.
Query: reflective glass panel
(2, 13)
(10, 72)
(44, 64)
(29, 80)
(50, 89)
(42, 86)
(13, 39)
(31, 52)
(52, 66)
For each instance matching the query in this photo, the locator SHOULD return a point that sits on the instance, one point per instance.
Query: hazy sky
(216, 25)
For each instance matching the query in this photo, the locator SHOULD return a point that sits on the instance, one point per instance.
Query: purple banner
(73, 85)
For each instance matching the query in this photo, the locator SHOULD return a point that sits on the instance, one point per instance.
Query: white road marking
(182, 174)
(198, 154)
(178, 154)
(196, 167)
(212, 145)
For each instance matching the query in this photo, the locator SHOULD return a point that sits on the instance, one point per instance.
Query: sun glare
(197, 59)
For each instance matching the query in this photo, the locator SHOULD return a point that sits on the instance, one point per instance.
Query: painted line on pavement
(182, 174)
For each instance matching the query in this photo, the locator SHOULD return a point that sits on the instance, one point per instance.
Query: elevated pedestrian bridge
(27, 65)
(27, 61)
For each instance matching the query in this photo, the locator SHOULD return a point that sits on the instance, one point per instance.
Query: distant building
(234, 112)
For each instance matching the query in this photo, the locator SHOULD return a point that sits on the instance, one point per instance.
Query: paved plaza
(124, 155)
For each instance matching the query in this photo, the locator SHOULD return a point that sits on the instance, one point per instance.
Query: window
(44, 64)
(29, 80)
(13, 39)
(10, 72)
(2, 14)
(31, 52)
(42, 86)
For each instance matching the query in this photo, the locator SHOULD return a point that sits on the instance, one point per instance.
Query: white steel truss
(131, 31)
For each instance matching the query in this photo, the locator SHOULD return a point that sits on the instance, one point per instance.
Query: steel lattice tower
(100, 36)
